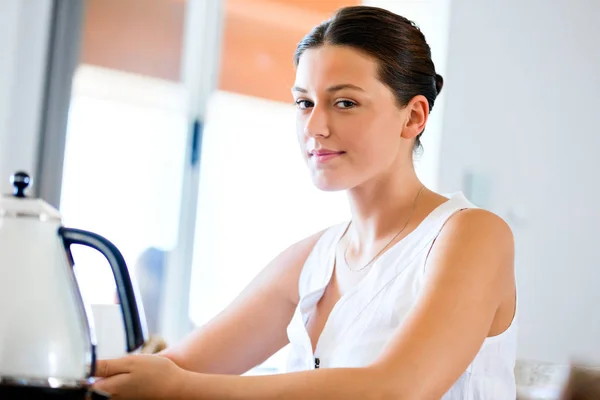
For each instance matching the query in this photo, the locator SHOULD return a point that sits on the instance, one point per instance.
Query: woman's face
(349, 124)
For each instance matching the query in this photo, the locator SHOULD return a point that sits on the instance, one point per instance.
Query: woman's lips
(325, 156)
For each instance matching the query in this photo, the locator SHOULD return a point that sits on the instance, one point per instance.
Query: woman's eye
(303, 104)
(344, 104)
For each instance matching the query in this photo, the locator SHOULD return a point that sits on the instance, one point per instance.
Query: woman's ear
(417, 112)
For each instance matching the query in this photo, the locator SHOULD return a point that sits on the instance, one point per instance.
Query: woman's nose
(316, 124)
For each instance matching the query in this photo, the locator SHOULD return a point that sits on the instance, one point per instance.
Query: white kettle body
(46, 338)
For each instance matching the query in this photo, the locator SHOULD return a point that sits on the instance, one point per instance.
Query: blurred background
(145, 121)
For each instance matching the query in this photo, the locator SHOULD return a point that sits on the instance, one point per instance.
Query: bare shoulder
(285, 268)
(478, 222)
(473, 238)
(298, 252)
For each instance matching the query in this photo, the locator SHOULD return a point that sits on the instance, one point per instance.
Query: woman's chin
(328, 185)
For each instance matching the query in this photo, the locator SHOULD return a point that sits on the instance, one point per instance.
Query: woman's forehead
(334, 65)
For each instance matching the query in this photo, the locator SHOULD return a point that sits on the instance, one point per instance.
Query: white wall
(522, 99)
(24, 28)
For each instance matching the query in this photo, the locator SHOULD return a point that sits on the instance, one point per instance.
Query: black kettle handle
(131, 317)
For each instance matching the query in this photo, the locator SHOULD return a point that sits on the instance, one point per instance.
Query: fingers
(107, 368)
(113, 386)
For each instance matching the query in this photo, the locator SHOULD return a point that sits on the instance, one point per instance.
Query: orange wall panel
(139, 36)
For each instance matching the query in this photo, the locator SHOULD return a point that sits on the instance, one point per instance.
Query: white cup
(110, 331)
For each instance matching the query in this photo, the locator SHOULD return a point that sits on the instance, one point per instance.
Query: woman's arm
(253, 327)
(470, 273)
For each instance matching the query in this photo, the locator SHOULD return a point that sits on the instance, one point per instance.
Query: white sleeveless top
(366, 317)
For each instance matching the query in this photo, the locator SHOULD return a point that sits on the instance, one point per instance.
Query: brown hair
(398, 45)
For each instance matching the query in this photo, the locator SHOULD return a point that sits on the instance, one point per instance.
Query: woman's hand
(139, 377)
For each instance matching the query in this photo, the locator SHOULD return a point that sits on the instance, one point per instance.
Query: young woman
(414, 298)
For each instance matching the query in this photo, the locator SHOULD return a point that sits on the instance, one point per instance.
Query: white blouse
(364, 319)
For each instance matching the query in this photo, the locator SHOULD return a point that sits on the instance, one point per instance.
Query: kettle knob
(20, 180)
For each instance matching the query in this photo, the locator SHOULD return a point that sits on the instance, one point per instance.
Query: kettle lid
(19, 205)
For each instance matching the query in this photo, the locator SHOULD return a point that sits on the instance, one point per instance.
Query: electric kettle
(47, 339)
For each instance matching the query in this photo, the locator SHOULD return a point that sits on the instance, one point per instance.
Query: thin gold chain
(390, 242)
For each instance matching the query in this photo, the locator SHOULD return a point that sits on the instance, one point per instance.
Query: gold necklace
(390, 242)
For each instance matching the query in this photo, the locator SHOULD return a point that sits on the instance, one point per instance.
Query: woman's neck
(380, 207)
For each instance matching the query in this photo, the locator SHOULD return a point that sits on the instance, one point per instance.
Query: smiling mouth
(325, 156)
